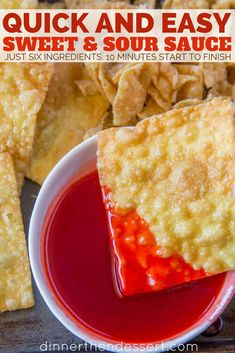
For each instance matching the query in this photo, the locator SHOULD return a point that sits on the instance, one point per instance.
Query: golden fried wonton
(23, 88)
(15, 278)
(73, 106)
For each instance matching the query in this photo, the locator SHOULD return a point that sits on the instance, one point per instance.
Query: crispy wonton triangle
(23, 88)
(177, 171)
(15, 278)
(72, 107)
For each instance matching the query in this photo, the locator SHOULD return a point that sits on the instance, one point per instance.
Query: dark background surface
(25, 330)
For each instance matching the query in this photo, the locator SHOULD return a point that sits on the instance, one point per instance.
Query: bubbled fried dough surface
(177, 171)
(69, 112)
(15, 278)
(23, 88)
(18, 4)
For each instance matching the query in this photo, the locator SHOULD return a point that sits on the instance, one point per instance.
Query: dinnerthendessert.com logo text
(85, 347)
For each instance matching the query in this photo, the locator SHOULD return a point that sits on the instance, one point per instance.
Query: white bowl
(82, 159)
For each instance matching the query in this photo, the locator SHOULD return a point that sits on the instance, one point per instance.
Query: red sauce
(139, 266)
(77, 259)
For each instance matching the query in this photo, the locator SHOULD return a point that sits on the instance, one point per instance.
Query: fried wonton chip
(18, 4)
(191, 85)
(23, 88)
(67, 114)
(223, 4)
(15, 278)
(105, 123)
(86, 83)
(223, 88)
(151, 108)
(60, 4)
(157, 86)
(186, 4)
(86, 87)
(109, 76)
(171, 177)
(126, 105)
(93, 71)
(105, 76)
(213, 73)
(97, 4)
(148, 4)
(164, 82)
(168, 84)
(187, 103)
(231, 72)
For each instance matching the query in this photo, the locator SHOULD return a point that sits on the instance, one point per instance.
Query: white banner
(117, 35)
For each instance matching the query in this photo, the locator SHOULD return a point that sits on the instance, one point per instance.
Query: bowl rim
(35, 230)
